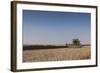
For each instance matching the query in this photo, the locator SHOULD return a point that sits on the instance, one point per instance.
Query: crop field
(56, 54)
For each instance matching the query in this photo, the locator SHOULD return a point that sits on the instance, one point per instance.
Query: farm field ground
(57, 54)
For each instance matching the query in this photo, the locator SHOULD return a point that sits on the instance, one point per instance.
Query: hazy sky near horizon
(55, 28)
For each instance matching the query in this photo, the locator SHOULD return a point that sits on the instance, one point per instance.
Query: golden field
(57, 54)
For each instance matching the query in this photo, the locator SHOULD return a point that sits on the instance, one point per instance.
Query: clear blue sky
(55, 28)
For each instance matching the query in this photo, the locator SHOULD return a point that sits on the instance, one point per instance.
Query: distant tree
(66, 45)
(76, 42)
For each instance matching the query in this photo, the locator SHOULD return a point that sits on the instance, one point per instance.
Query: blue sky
(55, 28)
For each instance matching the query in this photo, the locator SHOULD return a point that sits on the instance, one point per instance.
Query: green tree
(76, 42)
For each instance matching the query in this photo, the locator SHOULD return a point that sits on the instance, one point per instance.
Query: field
(56, 54)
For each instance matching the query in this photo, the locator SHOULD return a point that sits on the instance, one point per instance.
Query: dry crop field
(39, 55)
